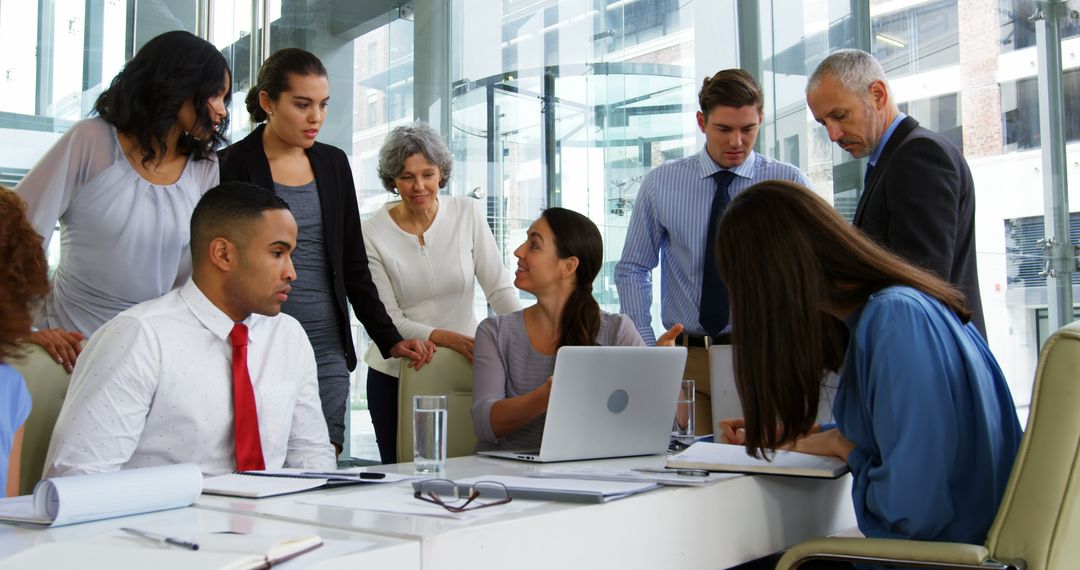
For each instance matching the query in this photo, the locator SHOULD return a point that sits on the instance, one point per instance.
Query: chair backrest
(1039, 517)
(449, 374)
(47, 382)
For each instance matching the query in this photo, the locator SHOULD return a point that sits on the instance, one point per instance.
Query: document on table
(399, 499)
(733, 458)
(623, 474)
(59, 501)
(568, 490)
(271, 483)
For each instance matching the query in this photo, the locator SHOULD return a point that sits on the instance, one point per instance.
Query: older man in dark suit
(918, 196)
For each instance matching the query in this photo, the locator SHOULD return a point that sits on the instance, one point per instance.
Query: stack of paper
(570, 490)
(602, 473)
(79, 498)
(271, 483)
(724, 457)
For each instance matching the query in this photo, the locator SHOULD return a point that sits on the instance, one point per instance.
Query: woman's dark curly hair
(144, 99)
(23, 271)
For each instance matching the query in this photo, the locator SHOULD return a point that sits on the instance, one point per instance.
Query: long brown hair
(787, 257)
(23, 272)
(577, 236)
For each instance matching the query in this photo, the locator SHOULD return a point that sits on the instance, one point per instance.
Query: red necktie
(249, 455)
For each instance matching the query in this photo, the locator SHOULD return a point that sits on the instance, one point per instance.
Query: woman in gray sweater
(514, 354)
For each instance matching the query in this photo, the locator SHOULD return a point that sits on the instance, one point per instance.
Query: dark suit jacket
(920, 203)
(246, 161)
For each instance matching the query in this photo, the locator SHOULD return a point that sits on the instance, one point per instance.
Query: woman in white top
(426, 254)
(123, 186)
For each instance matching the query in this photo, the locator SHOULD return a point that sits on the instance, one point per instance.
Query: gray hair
(407, 140)
(853, 69)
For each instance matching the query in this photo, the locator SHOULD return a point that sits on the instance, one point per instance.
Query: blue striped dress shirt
(670, 219)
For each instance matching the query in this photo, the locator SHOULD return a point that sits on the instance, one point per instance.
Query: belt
(695, 341)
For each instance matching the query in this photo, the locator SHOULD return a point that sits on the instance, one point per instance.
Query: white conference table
(342, 549)
(722, 524)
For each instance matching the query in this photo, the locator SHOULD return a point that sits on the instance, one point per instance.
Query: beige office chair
(47, 382)
(450, 374)
(1038, 523)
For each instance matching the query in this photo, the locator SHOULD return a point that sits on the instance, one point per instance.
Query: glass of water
(682, 428)
(429, 433)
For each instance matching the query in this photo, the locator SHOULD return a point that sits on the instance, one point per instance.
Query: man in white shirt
(158, 384)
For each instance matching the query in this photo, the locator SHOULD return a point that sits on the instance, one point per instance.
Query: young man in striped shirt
(675, 217)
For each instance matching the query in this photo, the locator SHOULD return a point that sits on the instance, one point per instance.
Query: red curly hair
(24, 278)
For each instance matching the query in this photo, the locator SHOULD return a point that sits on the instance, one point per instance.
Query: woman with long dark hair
(514, 354)
(924, 416)
(282, 155)
(123, 186)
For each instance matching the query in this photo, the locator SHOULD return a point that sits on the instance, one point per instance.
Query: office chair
(449, 374)
(47, 382)
(1037, 526)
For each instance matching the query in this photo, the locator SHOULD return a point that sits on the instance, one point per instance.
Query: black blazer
(246, 161)
(920, 203)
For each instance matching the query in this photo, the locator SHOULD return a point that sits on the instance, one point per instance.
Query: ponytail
(577, 236)
(580, 319)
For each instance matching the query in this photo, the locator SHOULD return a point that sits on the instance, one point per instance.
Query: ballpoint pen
(687, 472)
(353, 475)
(161, 538)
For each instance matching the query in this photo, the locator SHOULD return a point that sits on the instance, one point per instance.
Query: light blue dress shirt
(874, 156)
(16, 409)
(931, 417)
(670, 219)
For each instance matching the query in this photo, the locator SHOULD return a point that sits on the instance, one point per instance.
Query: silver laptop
(608, 401)
(725, 397)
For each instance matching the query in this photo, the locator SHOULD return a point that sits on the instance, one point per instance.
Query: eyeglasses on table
(446, 493)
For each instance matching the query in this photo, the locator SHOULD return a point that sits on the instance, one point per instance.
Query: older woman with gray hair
(426, 253)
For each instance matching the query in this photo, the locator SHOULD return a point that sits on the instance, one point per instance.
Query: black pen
(161, 538)
(674, 471)
(359, 475)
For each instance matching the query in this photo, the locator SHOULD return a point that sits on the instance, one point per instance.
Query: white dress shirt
(431, 286)
(124, 240)
(154, 387)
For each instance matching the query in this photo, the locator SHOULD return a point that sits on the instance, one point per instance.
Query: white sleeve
(108, 400)
(494, 278)
(309, 442)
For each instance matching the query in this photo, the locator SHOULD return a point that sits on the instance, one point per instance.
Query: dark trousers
(382, 396)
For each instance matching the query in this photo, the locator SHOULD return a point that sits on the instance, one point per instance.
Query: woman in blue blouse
(23, 273)
(924, 417)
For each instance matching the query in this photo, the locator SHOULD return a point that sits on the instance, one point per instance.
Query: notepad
(733, 458)
(60, 501)
(216, 551)
(272, 483)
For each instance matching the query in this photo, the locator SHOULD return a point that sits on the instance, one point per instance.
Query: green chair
(47, 382)
(1038, 522)
(450, 374)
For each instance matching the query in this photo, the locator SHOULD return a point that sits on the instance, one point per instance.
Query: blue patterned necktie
(866, 177)
(714, 296)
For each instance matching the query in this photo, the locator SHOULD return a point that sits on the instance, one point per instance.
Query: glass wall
(582, 100)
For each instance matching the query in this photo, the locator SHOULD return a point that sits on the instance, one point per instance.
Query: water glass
(683, 427)
(429, 433)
